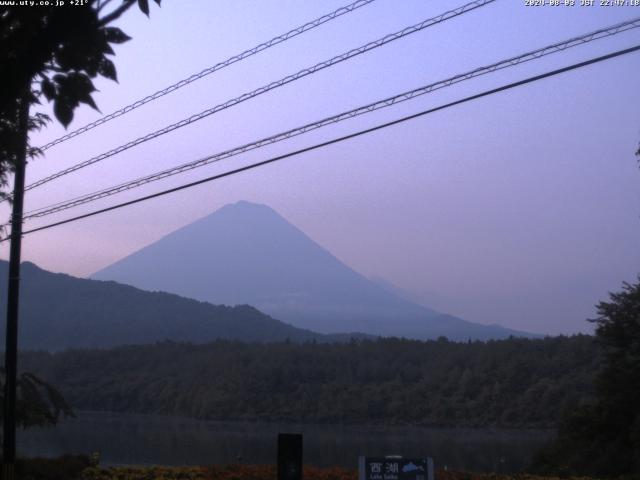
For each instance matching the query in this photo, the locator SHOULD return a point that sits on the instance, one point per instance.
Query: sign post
(289, 456)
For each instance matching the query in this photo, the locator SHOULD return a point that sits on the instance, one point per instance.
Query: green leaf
(48, 89)
(88, 99)
(72, 89)
(78, 87)
(115, 35)
(144, 6)
(92, 64)
(107, 69)
(106, 49)
(63, 111)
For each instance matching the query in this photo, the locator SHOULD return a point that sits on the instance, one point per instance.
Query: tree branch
(117, 13)
(103, 4)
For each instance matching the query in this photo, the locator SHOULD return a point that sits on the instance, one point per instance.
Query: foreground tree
(55, 52)
(52, 52)
(603, 438)
(618, 408)
(39, 404)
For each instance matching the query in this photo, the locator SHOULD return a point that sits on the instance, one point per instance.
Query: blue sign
(395, 468)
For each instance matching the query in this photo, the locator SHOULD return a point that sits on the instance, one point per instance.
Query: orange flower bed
(269, 472)
(266, 472)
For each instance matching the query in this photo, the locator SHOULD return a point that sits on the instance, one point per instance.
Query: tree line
(514, 382)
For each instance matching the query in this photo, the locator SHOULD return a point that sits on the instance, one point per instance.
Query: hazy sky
(520, 209)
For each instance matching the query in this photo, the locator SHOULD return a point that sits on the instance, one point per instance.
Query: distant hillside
(248, 254)
(516, 382)
(58, 311)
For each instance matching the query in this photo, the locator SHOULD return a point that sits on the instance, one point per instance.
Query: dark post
(289, 456)
(11, 347)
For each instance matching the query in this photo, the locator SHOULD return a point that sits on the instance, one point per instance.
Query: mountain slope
(248, 254)
(58, 311)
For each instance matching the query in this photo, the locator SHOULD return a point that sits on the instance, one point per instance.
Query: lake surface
(132, 439)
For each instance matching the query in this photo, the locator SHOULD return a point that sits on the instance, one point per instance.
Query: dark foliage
(515, 382)
(603, 438)
(52, 52)
(67, 467)
(37, 402)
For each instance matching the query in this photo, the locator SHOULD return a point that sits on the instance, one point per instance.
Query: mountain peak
(248, 204)
(244, 205)
(231, 216)
(247, 253)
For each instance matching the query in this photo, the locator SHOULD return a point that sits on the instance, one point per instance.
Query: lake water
(131, 439)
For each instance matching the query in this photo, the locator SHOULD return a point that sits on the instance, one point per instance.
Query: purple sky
(519, 209)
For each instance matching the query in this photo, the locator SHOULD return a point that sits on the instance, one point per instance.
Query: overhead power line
(340, 139)
(271, 86)
(510, 62)
(208, 71)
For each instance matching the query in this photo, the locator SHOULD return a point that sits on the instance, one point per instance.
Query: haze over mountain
(247, 253)
(58, 311)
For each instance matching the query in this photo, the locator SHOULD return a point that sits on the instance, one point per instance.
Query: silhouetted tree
(38, 403)
(53, 52)
(618, 384)
(603, 438)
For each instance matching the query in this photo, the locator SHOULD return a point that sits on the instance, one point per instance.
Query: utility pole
(11, 347)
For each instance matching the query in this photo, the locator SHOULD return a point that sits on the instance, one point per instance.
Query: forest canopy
(515, 382)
